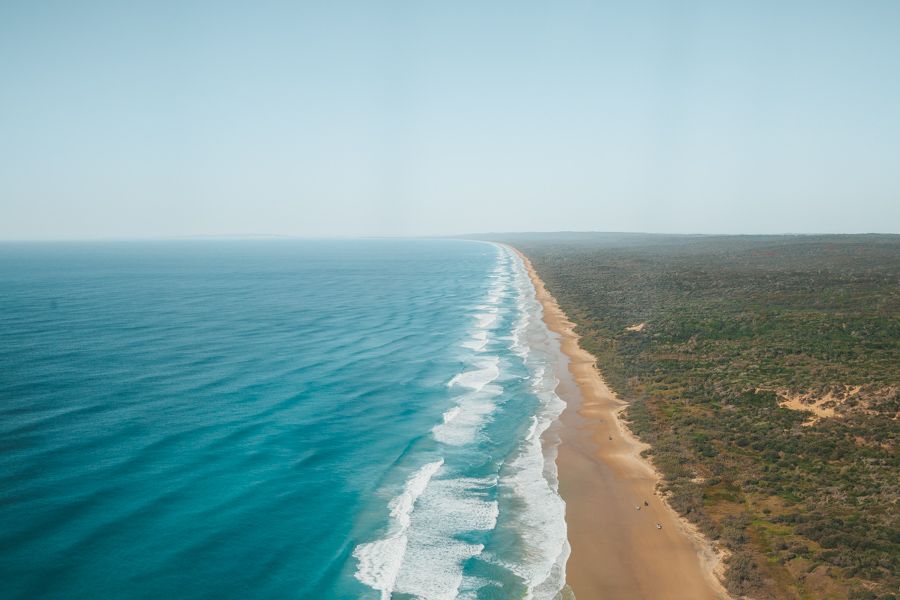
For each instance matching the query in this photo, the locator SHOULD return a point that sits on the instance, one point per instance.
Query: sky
(331, 118)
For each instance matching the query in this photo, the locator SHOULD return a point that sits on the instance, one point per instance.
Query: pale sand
(821, 407)
(617, 551)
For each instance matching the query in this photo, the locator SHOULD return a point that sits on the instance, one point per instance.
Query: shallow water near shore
(324, 419)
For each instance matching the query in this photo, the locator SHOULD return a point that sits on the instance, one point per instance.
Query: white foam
(451, 414)
(423, 555)
(467, 417)
(380, 561)
(487, 370)
(540, 521)
(426, 547)
(533, 429)
(478, 342)
(433, 567)
(486, 320)
(531, 475)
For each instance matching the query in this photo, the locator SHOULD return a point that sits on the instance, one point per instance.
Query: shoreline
(612, 506)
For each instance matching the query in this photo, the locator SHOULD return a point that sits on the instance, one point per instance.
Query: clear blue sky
(122, 119)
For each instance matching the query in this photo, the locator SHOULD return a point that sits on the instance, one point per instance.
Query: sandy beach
(612, 508)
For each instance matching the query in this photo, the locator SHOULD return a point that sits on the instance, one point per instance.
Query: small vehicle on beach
(659, 525)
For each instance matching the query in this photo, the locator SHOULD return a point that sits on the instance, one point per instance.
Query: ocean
(276, 419)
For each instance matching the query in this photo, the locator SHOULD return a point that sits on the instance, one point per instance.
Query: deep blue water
(274, 419)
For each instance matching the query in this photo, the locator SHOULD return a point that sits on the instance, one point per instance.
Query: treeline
(733, 325)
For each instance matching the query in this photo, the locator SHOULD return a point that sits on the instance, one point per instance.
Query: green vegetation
(806, 506)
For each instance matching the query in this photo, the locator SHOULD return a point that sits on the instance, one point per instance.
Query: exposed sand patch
(821, 406)
(638, 327)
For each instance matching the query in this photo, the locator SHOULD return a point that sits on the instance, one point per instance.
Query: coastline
(617, 551)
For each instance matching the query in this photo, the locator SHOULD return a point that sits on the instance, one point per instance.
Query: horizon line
(272, 236)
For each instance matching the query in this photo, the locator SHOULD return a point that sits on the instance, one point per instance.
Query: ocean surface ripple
(296, 419)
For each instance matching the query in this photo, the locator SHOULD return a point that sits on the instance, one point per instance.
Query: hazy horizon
(401, 120)
(475, 236)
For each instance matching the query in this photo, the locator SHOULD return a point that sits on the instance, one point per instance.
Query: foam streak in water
(486, 370)
(433, 567)
(531, 475)
(435, 535)
(380, 561)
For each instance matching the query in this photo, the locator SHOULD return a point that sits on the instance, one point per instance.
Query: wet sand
(617, 550)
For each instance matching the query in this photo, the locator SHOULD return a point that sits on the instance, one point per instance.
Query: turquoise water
(275, 419)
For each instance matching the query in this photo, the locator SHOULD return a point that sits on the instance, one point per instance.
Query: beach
(626, 542)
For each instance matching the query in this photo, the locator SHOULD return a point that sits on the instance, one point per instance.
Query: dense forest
(764, 373)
